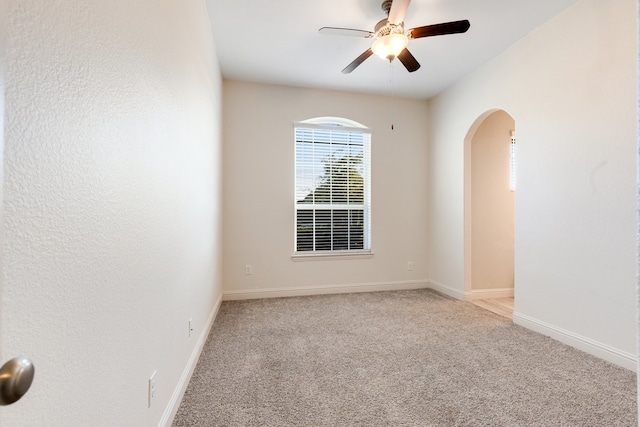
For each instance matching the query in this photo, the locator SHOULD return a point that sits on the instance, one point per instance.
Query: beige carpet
(406, 358)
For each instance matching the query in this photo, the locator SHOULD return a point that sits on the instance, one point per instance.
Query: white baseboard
(176, 398)
(595, 348)
(491, 293)
(323, 289)
(453, 293)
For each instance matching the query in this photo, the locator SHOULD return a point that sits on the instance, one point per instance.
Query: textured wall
(570, 86)
(111, 210)
(259, 187)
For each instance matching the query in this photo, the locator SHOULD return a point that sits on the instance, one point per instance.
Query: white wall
(259, 191)
(492, 204)
(111, 211)
(570, 86)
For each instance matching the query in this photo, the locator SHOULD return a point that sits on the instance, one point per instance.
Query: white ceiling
(277, 41)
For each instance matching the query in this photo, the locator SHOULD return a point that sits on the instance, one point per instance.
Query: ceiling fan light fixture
(390, 45)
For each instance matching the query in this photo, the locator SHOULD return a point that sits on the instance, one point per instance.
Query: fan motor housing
(380, 25)
(383, 28)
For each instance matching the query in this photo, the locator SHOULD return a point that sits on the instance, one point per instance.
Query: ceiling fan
(391, 40)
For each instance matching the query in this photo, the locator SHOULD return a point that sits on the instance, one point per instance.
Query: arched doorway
(490, 212)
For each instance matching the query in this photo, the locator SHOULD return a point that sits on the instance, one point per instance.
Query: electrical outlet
(248, 269)
(190, 327)
(409, 266)
(153, 387)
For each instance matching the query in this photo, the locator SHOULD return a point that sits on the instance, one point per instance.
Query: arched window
(332, 186)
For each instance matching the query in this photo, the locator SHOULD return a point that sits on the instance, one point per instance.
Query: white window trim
(331, 255)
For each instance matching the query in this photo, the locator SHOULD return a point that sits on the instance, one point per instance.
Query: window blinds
(332, 188)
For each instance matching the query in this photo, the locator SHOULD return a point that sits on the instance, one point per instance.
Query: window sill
(331, 256)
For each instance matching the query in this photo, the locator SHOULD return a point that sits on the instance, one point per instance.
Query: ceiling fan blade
(439, 29)
(359, 60)
(408, 60)
(335, 31)
(397, 11)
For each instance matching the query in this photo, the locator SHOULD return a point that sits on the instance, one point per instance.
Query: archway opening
(490, 212)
